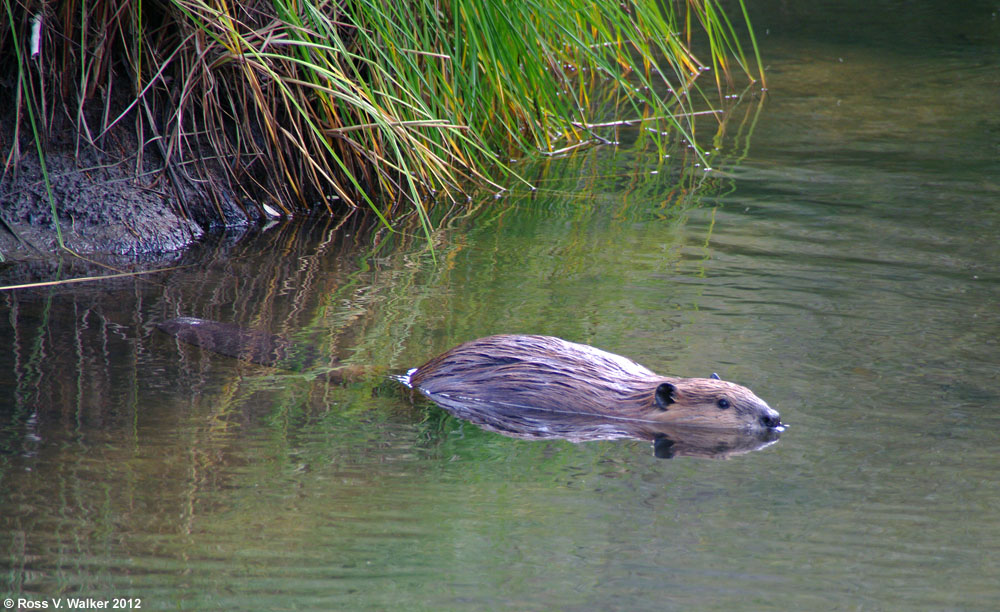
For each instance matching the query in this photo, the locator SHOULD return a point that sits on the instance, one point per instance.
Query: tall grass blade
(390, 106)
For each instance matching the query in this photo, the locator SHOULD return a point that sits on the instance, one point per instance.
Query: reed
(309, 104)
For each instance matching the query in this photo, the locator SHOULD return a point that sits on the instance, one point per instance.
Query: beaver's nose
(770, 419)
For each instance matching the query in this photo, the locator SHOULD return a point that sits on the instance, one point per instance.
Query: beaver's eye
(723, 403)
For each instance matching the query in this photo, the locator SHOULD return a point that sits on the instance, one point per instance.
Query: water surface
(842, 260)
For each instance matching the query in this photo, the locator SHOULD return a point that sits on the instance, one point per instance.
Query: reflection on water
(845, 269)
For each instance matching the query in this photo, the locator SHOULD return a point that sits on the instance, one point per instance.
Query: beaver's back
(539, 372)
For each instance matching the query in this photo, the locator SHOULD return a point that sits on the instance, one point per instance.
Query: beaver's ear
(665, 395)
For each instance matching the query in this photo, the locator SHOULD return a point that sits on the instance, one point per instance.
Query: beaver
(513, 372)
(547, 373)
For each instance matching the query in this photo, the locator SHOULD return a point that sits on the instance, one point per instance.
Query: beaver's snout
(770, 419)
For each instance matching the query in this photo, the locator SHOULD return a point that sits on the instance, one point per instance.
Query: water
(843, 262)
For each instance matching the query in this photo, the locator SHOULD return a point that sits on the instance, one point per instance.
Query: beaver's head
(710, 402)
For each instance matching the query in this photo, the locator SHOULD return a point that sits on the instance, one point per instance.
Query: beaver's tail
(246, 344)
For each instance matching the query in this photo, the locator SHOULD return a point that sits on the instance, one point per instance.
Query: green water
(842, 261)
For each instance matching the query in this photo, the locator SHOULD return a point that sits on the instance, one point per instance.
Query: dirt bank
(107, 201)
(103, 208)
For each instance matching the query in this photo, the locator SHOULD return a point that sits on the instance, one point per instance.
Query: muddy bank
(100, 210)
(112, 197)
(103, 208)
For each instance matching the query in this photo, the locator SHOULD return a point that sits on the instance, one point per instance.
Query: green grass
(386, 105)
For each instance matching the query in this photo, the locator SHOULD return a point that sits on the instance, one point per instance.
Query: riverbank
(148, 115)
(106, 206)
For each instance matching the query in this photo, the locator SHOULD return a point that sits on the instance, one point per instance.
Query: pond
(842, 260)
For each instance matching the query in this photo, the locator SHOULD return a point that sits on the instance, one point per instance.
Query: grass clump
(299, 103)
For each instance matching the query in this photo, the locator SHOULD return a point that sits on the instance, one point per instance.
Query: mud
(105, 205)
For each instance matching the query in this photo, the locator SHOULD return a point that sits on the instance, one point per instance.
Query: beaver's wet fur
(547, 373)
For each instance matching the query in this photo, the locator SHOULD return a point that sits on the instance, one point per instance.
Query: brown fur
(546, 373)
